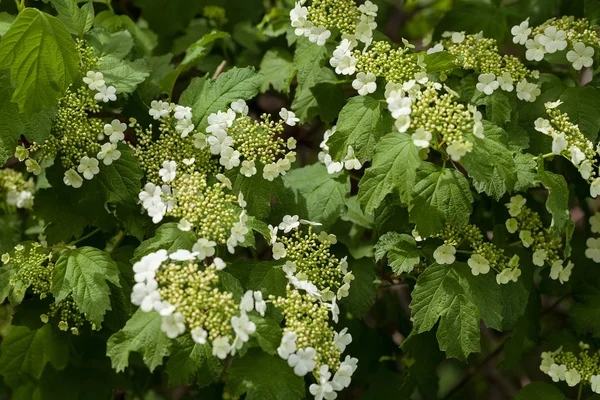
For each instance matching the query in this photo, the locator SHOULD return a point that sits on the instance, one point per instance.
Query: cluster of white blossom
(95, 81)
(565, 366)
(350, 161)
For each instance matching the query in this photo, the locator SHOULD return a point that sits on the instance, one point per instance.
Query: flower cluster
(76, 136)
(186, 293)
(484, 257)
(31, 267)
(575, 37)
(15, 189)
(574, 369)
(533, 235)
(568, 141)
(242, 142)
(436, 118)
(349, 161)
(495, 71)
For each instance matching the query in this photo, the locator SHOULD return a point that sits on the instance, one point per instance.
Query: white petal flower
(164, 308)
(259, 304)
(458, 149)
(521, 32)
(504, 277)
(343, 375)
(368, 8)
(184, 127)
(527, 91)
(478, 264)
(577, 156)
(593, 249)
(173, 325)
(288, 117)
(270, 171)
(365, 83)
(303, 361)
(168, 171)
(516, 204)
(288, 345)
(94, 80)
(159, 109)
(319, 35)
(204, 248)
(182, 255)
(183, 112)
(435, 49)
(248, 169)
(239, 106)
(553, 39)
(557, 372)
(72, 178)
(289, 222)
(535, 49)
(581, 56)
(108, 153)
(543, 125)
(445, 254)
(421, 138)
(512, 225)
(115, 130)
(595, 383)
(342, 339)
(230, 158)
(88, 167)
(595, 223)
(200, 141)
(457, 37)
(487, 83)
(106, 94)
(526, 238)
(594, 188)
(539, 257)
(243, 327)
(145, 294)
(221, 347)
(279, 250)
(199, 335)
(506, 82)
(145, 269)
(324, 389)
(350, 161)
(585, 169)
(559, 143)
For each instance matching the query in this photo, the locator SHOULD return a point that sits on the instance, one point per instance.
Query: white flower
(108, 153)
(88, 167)
(512, 225)
(145, 294)
(526, 238)
(288, 345)
(595, 382)
(478, 264)
(239, 106)
(72, 178)
(145, 269)
(572, 377)
(543, 125)
(581, 56)
(184, 127)
(335, 309)
(368, 8)
(173, 325)
(182, 112)
(115, 130)
(288, 117)
(553, 104)
(106, 94)
(164, 308)
(595, 223)
(535, 49)
(94, 80)
(435, 49)
(398, 104)
(33, 166)
(342, 339)
(577, 156)
(504, 277)
(204, 248)
(303, 361)
(557, 372)
(229, 158)
(270, 171)
(220, 121)
(344, 290)
(444, 254)
(457, 37)
(350, 161)
(559, 143)
(279, 250)
(289, 223)
(539, 257)
(559, 272)
(402, 123)
(585, 169)
(159, 109)
(516, 204)
(247, 301)
(199, 335)
(487, 83)
(259, 304)
(593, 249)
(283, 165)
(343, 375)
(182, 255)
(243, 327)
(506, 82)
(221, 347)
(298, 16)
(168, 171)
(324, 389)
(527, 91)
(319, 35)
(458, 149)
(333, 167)
(219, 264)
(342, 60)
(248, 169)
(224, 180)
(421, 138)
(521, 32)
(553, 39)
(594, 188)
(307, 286)
(365, 83)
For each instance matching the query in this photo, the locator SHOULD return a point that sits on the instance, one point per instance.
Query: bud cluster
(566, 366)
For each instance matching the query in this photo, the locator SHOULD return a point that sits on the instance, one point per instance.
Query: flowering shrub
(299, 199)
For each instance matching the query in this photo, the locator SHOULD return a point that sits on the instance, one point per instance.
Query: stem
(544, 156)
(20, 5)
(92, 233)
(110, 7)
(219, 69)
(579, 392)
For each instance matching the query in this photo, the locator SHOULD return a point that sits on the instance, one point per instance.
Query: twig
(219, 69)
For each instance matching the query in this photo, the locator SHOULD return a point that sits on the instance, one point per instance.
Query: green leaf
(497, 108)
(540, 390)
(557, 203)
(440, 195)
(491, 163)
(140, 331)
(6, 21)
(277, 70)
(474, 16)
(591, 9)
(268, 277)
(168, 236)
(401, 251)
(526, 168)
(124, 75)
(458, 333)
(84, 273)
(108, 44)
(361, 124)
(77, 20)
(309, 60)
(257, 192)
(264, 377)
(362, 289)
(120, 182)
(323, 195)
(191, 362)
(268, 334)
(207, 96)
(581, 105)
(394, 169)
(42, 59)
(24, 353)
(440, 61)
